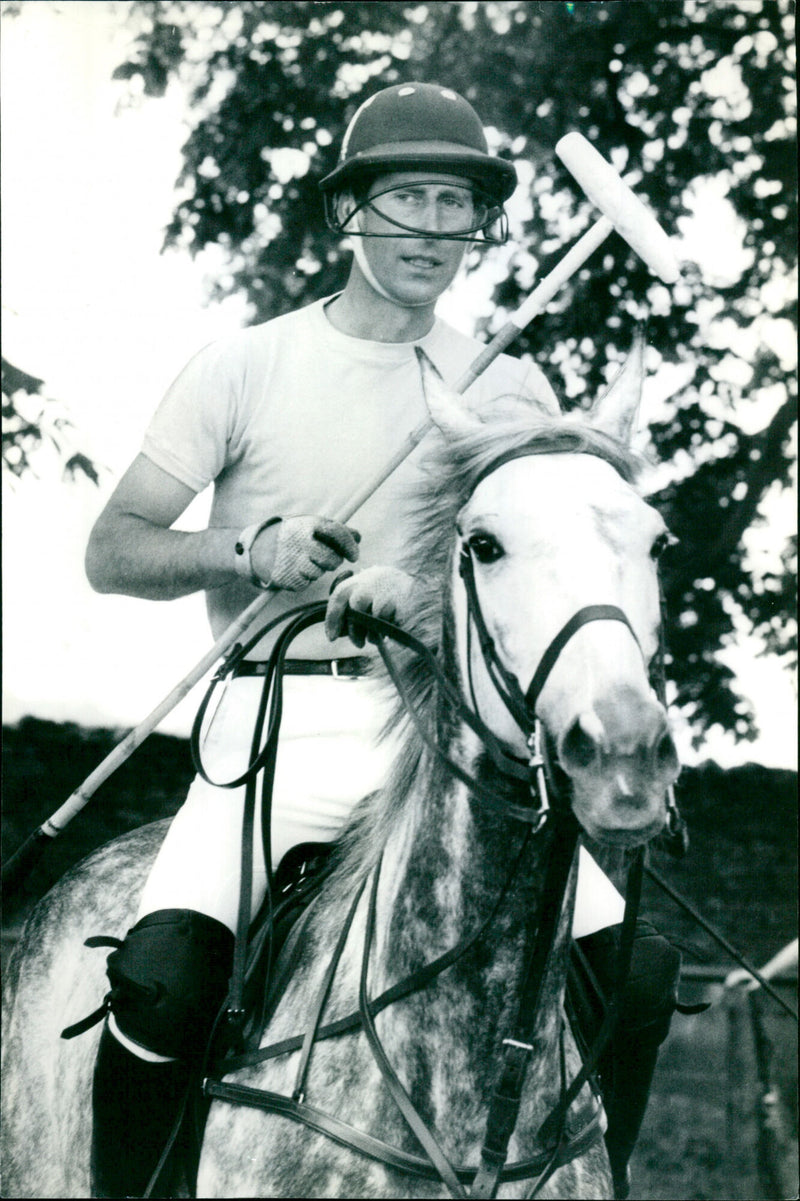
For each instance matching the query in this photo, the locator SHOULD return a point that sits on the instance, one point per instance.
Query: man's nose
(430, 218)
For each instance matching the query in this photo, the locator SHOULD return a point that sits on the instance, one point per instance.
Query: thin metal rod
(721, 939)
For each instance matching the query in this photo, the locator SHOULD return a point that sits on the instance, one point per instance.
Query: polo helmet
(419, 127)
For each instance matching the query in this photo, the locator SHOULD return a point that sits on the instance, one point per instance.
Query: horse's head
(557, 559)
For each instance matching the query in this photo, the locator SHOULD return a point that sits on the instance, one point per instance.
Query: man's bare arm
(133, 551)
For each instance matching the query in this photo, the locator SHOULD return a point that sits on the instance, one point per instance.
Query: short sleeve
(192, 429)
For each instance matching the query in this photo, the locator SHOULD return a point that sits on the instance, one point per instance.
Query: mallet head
(635, 223)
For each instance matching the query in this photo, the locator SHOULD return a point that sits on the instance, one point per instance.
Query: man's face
(416, 268)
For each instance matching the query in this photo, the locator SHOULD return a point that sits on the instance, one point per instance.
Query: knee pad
(650, 993)
(651, 990)
(169, 979)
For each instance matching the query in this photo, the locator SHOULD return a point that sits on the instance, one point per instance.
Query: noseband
(522, 705)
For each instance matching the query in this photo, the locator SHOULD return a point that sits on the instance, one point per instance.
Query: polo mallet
(622, 211)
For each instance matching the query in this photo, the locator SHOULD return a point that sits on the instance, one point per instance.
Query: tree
(30, 420)
(681, 94)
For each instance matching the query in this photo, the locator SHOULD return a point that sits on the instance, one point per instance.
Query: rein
(518, 1048)
(436, 1166)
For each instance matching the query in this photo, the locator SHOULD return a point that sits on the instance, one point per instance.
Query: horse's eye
(485, 548)
(664, 540)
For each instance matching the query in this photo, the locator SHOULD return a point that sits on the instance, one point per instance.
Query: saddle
(301, 874)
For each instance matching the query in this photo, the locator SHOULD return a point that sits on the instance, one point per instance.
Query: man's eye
(485, 548)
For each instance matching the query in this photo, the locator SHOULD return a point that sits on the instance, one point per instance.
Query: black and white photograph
(399, 580)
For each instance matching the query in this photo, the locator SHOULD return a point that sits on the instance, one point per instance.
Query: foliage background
(679, 94)
(692, 99)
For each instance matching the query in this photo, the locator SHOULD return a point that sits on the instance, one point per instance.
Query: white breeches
(329, 757)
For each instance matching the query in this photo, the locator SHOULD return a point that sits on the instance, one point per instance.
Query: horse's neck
(443, 873)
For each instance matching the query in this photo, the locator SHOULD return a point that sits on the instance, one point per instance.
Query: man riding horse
(283, 418)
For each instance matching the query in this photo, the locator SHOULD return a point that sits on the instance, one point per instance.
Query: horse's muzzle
(621, 759)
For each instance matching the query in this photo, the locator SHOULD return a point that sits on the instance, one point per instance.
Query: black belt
(356, 665)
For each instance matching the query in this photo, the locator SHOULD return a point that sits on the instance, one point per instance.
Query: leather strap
(399, 1094)
(302, 618)
(522, 706)
(581, 618)
(311, 1034)
(357, 1140)
(518, 1047)
(632, 897)
(403, 988)
(242, 561)
(355, 665)
(436, 1167)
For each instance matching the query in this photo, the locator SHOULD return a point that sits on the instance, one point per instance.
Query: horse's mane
(450, 472)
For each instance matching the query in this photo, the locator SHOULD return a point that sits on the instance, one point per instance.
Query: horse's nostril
(666, 754)
(578, 748)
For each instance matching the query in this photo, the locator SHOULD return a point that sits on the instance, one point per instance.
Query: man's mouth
(423, 261)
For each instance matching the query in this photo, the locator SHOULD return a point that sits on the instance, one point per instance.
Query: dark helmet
(418, 127)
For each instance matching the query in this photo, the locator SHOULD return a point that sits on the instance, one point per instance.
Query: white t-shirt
(292, 417)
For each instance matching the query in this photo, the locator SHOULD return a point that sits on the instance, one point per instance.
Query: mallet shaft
(124, 749)
(530, 307)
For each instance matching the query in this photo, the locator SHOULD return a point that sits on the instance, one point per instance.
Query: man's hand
(384, 592)
(298, 550)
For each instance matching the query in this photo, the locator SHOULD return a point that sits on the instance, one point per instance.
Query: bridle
(522, 705)
(517, 1048)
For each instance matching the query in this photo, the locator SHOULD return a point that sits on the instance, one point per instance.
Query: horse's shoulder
(115, 865)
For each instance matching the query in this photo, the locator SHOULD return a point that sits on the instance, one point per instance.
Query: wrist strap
(244, 544)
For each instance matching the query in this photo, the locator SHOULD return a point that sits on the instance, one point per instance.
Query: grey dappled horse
(542, 510)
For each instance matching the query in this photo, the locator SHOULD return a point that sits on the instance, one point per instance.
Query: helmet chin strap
(369, 275)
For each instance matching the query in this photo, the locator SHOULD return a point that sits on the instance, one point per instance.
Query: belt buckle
(335, 668)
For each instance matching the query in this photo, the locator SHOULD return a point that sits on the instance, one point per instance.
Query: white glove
(298, 550)
(384, 592)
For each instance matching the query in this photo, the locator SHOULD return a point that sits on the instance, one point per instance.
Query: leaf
(80, 462)
(127, 71)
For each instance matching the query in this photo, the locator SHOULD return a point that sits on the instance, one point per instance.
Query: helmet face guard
(465, 214)
(425, 129)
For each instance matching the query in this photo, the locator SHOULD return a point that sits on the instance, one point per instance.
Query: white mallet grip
(635, 223)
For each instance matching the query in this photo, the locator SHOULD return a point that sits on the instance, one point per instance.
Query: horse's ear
(454, 415)
(446, 408)
(616, 410)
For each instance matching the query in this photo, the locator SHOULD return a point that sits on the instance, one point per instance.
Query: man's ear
(344, 207)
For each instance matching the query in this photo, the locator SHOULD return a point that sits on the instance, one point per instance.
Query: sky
(93, 308)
